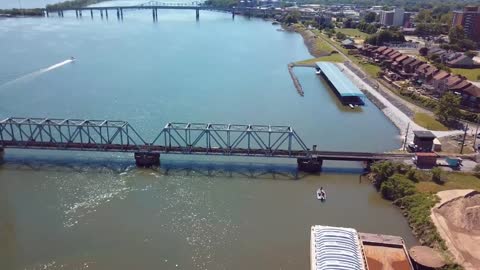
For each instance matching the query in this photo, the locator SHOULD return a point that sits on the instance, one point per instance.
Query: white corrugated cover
(335, 248)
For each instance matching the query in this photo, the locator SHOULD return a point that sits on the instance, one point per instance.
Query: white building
(392, 17)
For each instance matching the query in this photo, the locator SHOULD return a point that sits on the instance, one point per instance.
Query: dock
(295, 80)
(343, 88)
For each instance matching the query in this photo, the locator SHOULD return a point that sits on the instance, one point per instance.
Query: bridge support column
(80, 13)
(2, 153)
(197, 14)
(368, 165)
(233, 14)
(101, 13)
(121, 13)
(309, 164)
(118, 14)
(47, 14)
(153, 14)
(106, 13)
(62, 13)
(76, 13)
(91, 13)
(147, 159)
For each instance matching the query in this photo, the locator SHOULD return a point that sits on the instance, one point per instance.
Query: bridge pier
(2, 153)
(106, 13)
(233, 14)
(153, 15)
(80, 13)
(197, 14)
(101, 13)
(309, 164)
(47, 14)
(118, 14)
(147, 159)
(91, 13)
(121, 13)
(76, 13)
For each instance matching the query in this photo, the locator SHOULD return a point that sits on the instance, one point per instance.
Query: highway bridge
(174, 138)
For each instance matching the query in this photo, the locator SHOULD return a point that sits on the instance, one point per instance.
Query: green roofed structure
(345, 90)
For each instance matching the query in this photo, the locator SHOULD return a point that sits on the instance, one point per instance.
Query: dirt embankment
(310, 40)
(457, 219)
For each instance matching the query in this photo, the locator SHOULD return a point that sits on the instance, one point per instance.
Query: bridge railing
(66, 133)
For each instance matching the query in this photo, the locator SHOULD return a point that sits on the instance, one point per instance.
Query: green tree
(456, 34)
(437, 175)
(382, 171)
(370, 17)
(340, 36)
(448, 108)
(293, 17)
(396, 187)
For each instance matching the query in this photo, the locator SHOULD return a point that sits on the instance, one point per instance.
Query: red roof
(473, 91)
(387, 51)
(408, 60)
(401, 58)
(442, 74)
(453, 80)
(381, 49)
(460, 86)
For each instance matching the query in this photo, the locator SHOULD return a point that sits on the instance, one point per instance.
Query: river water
(97, 211)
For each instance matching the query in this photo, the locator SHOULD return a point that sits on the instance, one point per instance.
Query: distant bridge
(173, 138)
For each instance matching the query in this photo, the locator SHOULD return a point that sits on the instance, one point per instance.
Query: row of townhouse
(406, 67)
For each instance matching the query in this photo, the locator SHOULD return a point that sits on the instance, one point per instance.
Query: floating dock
(345, 90)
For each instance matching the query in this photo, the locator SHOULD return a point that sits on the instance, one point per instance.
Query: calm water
(97, 211)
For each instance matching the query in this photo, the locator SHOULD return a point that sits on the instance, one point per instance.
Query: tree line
(73, 4)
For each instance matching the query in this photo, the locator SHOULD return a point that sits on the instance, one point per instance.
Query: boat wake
(34, 74)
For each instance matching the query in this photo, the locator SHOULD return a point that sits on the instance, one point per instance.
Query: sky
(26, 3)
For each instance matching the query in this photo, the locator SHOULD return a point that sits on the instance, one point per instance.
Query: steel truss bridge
(173, 138)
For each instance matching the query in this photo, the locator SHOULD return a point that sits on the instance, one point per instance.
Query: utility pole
(406, 135)
(463, 141)
(476, 133)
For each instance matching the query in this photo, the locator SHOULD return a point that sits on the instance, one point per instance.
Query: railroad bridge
(174, 138)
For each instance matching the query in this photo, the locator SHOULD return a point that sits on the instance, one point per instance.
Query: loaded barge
(344, 89)
(345, 248)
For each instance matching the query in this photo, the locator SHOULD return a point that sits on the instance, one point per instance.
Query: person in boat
(322, 192)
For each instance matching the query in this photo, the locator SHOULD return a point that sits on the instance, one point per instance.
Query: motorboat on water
(321, 194)
(351, 106)
(318, 72)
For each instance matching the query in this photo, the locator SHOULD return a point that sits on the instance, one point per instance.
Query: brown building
(469, 18)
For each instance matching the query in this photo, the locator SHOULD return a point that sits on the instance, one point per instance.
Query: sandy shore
(463, 244)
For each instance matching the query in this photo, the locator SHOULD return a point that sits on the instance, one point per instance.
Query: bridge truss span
(232, 139)
(70, 134)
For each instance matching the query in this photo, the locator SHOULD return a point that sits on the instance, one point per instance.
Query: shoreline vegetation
(73, 4)
(15, 12)
(414, 192)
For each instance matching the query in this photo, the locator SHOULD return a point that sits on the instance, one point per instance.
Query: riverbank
(9, 13)
(400, 115)
(414, 192)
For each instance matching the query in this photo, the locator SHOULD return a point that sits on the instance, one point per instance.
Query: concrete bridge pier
(106, 13)
(197, 14)
(233, 14)
(91, 13)
(61, 12)
(121, 13)
(309, 164)
(101, 13)
(80, 13)
(2, 153)
(76, 13)
(47, 14)
(153, 15)
(118, 14)
(147, 159)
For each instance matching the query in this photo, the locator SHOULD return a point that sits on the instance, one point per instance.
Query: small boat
(321, 195)
(318, 72)
(351, 106)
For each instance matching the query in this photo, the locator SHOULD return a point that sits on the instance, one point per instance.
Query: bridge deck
(324, 155)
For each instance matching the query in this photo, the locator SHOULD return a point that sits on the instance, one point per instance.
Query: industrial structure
(345, 90)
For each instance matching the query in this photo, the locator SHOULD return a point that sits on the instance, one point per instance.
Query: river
(97, 211)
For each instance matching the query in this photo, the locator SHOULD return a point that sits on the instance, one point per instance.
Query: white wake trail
(34, 74)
